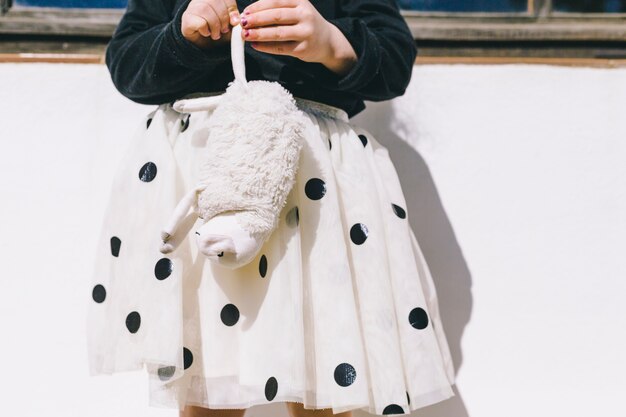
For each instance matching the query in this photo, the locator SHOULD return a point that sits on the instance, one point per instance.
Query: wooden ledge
(421, 60)
(520, 29)
(52, 58)
(570, 62)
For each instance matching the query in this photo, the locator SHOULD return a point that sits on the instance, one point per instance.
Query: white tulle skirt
(338, 310)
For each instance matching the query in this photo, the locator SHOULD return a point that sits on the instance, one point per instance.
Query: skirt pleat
(338, 310)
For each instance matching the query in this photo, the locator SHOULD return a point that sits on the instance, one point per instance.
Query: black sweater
(152, 63)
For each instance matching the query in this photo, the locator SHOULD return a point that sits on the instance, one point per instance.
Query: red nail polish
(246, 32)
(244, 22)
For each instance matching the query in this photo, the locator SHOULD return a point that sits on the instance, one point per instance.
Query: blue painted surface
(425, 5)
(588, 6)
(97, 4)
(591, 6)
(465, 5)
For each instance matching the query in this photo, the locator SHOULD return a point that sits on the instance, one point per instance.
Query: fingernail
(246, 32)
(234, 17)
(244, 22)
(225, 30)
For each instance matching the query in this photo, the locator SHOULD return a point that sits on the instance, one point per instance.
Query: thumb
(233, 12)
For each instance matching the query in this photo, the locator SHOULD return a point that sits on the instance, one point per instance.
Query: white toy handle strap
(239, 69)
(237, 55)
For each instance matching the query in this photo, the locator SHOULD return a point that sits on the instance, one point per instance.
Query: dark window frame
(538, 23)
(437, 32)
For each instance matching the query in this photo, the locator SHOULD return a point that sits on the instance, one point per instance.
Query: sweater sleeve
(149, 59)
(384, 46)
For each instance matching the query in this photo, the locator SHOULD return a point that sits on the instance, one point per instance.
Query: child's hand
(296, 28)
(207, 22)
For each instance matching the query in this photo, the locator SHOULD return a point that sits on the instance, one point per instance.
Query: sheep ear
(180, 222)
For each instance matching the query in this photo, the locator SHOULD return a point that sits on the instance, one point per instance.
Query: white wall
(515, 179)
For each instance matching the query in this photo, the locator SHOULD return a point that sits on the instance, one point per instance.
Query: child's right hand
(206, 23)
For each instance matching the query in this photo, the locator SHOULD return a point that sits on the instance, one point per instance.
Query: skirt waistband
(208, 101)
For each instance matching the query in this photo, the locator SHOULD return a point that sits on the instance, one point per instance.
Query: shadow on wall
(434, 233)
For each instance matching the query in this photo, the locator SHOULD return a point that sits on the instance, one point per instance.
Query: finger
(274, 33)
(221, 10)
(233, 12)
(209, 24)
(280, 16)
(206, 11)
(269, 4)
(277, 48)
(215, 25)
(193, 23)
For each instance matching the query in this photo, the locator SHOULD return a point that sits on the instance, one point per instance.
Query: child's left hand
(296, 28)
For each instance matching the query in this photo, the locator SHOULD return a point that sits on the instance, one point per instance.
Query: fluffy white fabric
(250, 163)
(251, 155)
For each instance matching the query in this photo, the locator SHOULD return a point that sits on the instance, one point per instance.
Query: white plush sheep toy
(250, 164)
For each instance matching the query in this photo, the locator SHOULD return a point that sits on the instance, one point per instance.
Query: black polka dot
(315, 188)
(163, 268)
(271, 388)
(398, 210)
(220, 254)
(187, 358)
(148, 122)
(330, 144)
(184, 123)
(358, 233)
(166, 372)
(418, 318)
(229, 314)
(147, 172)
(408, 399)
(363, 139)
(345, 374)
(293, 217)
(115, 246)
(133, 321)
(263, 266)
(393, 409)
(98, 293)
